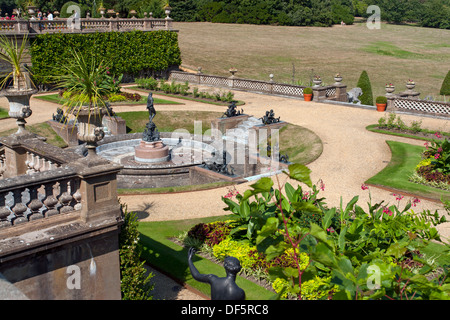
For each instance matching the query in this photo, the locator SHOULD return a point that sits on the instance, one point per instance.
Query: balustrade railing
(20, 26)
(47, 194)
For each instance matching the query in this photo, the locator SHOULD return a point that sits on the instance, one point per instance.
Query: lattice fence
(252, 85)
(213, 80)
(423, 106)
(287, 89)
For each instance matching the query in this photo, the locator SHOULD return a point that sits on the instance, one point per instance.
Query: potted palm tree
(83, 78)
(22, 89)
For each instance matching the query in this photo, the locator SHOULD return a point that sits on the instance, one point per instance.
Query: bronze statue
(221, 288)
(150, 107)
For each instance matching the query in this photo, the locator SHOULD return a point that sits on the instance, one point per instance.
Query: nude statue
(221, 288)
(150, 107)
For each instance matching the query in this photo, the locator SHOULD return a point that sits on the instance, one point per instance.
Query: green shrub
(364, 83)
(134, 282)
(307, 90)
(381, 100)
(129, 53)
(116, 98)
(445, 88)
(147, 83)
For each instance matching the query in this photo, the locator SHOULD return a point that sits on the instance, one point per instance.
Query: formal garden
(290, 242)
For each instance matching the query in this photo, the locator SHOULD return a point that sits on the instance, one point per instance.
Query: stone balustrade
(83, 25)
(336, 91)
(46, 194)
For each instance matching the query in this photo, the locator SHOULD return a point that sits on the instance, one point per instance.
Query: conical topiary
(366, 87)
(445, 89)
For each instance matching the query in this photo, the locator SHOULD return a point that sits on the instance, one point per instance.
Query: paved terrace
(350, 156)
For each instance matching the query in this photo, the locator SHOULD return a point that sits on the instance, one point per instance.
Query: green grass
(405, 158)
(163, 254)
(3, 113)
(55, 98)
(169, 121)
(385, 48)
(189, 188)
(42, 129)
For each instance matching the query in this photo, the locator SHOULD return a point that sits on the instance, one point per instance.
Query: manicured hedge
(130, 53)
(445, 88)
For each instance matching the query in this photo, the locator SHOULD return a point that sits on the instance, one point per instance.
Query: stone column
(98, 188)
(319, 93)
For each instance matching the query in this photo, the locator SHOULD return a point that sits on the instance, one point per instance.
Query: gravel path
(350, 156)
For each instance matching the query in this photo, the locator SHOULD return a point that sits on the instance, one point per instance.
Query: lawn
(55, 98)
(394, 53)
(405, 158)
(163, 254)
(42, 129)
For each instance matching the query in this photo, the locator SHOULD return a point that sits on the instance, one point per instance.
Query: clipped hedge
(366, 87)
(133, 54)
(445, 88)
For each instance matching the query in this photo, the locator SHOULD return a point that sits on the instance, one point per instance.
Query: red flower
(364, 187)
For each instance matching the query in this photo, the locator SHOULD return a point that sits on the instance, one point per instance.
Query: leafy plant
(13, 54)
(84, 78)
(348, 244)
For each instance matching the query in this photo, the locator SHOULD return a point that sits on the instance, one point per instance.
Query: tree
(445, 89)
(366, 87)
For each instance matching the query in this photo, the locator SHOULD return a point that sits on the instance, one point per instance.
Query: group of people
(40, 16)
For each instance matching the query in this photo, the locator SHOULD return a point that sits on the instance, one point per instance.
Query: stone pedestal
(220, 126)
(115, 125)
(151, 152)
(264, 132)
(68, 132)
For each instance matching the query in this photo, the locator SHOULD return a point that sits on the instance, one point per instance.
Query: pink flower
(364, 187)
(438, 135)
(387, 211)
(437, 155)
(322, 185)
(398, 197)
(330, 230)
(415, 202)
(440, 149)
(426, 144)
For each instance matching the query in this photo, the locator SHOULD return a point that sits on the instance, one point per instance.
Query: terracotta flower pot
(307, 96)
(381, 107)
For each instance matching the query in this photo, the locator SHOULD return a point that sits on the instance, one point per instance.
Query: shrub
(445, 88)
(116, 98)
(134, 282)
(307, 90)
(147, 83)
(133, 52)
(210, 233)
(364, 83)
(381, 100)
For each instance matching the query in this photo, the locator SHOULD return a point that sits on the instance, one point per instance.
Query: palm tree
(84, 78)
(13, 54)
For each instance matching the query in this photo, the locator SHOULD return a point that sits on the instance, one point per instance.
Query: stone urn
(31, 10)
(102, 12)
(410, 85)
(19, 105)
(133, 14)
(337, 79)
(389, 89)
(90, 127)
(317, 82)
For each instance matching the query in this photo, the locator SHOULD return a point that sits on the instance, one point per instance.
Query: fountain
(165, 159)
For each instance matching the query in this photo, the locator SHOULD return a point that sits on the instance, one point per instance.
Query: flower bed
(435, 166)
(347, 253)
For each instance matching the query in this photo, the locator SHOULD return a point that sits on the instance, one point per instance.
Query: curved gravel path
(351, 155)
